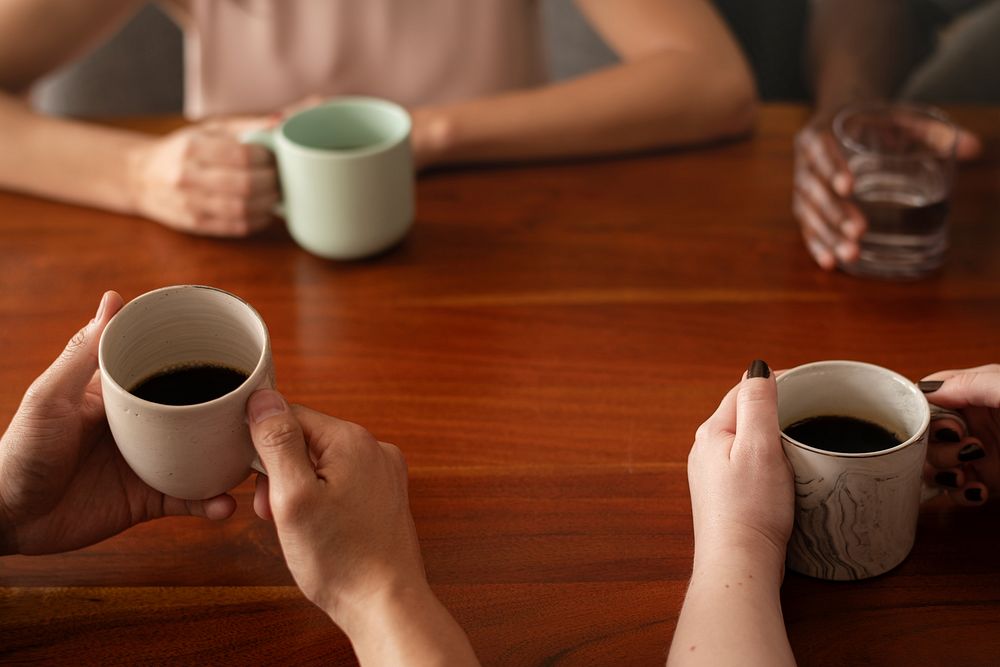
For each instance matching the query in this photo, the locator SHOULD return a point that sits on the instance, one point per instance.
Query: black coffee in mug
(189, 384)
(841, 434)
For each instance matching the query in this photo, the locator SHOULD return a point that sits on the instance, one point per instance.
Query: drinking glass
(902, 159)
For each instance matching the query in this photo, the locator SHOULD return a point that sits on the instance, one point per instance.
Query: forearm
(407, 627)
(66, 160)
(732, 616)
(862, 50)
(665, 99)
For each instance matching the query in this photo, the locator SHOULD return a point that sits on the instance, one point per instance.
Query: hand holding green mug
(346, 173)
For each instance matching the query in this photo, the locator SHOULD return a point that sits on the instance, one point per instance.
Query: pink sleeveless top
(255, 56)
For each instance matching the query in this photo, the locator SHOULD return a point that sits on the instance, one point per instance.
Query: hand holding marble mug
(964, 451)
(742, 497)
(178, 365)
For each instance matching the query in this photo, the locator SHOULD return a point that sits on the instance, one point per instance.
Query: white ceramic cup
(188, 451)
(855, 514)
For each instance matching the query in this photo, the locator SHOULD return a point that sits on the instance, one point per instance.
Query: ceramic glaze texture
(855, 514)
(190, 451)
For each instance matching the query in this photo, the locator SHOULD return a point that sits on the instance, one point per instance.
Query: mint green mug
(346, 173)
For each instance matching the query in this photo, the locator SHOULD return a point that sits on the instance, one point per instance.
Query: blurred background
(139, 71)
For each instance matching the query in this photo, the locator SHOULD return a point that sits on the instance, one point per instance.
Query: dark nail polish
(971, 453)
(946, 478)
(758, 369)
(929, 386)
(946, 435)
(974, 494)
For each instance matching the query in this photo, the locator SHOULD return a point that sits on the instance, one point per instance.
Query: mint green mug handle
(265, 138)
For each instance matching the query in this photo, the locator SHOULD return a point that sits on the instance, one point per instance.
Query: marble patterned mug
(855, 513)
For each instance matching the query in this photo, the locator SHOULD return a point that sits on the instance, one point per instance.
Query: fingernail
(929, 386)
(946, 478)
(842, 183)
(265, 404)
(971, 453)
(974, 494)
(758, 369)
(101, 307)
(946, 435)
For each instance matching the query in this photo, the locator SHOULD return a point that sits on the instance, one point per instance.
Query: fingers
(820, 152)
(210, 225)
(331, 436)
(978, 387)
(226, 215)
(70, 374)
(279, 441)
(824, 237)
(216, 509)
(830, 224)
(947, 478)
(227, 188)
(757, 431)
(223, 200)
(221, 149)
(943, 138)
(262, 498)
(953, 454)
(948, 455)
(969, 146)
(254, 182)
(721, 426)
(946, 430)
(952, 457)
(971, 494)
(955, 483)
(234, 208)
(951, 372)
(820, 252)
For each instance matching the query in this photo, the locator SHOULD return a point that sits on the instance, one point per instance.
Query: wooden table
(542, 347)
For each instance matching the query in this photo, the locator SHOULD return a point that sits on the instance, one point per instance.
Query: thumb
(978, 387)
(968, 146)
(277, 437)
(72, 371)
(757, 432)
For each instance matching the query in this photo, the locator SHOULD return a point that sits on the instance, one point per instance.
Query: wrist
(360, 616)
(404, 624)
(432, 136)
(137, 159)
(744, 558)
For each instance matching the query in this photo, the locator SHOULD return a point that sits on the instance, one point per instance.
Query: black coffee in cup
(842, 434)
(189, 384)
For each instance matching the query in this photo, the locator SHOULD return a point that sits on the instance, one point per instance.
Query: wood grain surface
(542, 347)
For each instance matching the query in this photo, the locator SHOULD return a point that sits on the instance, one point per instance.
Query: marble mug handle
(937, 412)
